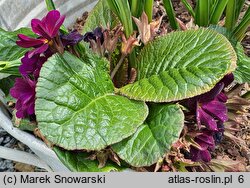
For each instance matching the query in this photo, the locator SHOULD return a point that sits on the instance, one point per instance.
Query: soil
(235, 147)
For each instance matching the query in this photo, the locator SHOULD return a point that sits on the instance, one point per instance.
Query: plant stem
(134, 5)
(217, 11)
(149, 9)
(122, 9)
(241, 29)
(189, 8)
(117, 66)
(171, 14)
(202, 12)
(230, 14)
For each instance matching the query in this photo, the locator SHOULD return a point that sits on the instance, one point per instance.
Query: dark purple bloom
(96, 35)
(211, 112)
(210, 107)
(24, 92)
(72, 38)
(206, 142)
(46, 29)
(31, 66)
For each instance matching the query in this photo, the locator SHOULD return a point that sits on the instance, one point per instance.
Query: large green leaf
(181, 65)
(101, 15)
(161, 129)
(10, 53)
(242, 73)
(79, 162)
(76, 107)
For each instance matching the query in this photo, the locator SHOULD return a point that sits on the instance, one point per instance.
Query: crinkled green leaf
(79, 162)
(76, 107)
(101, 15)
(242, 73)
(181, 65)
(10, 53)
(155, 137)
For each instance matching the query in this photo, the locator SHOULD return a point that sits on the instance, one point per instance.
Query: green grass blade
(50, 5)
(122, 10)
(202, 12)
(239, 7)
(189, 8)
(241, 29)
(217, 11)
(148, 8)
(230, 15)
(134, 5)
(171, 14)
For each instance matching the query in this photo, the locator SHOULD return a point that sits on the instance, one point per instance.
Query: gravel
(8, 141)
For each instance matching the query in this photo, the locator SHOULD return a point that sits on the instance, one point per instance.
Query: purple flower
(46, 29)
(211, 112)
(24, 92)
(210, 107)
(206, 142)
(96, 35)
(72, 38)
(31, 66)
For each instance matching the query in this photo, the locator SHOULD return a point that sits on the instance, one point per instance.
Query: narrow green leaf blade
(79, 162)
(161, 129)
(76, 107)
(181, 65)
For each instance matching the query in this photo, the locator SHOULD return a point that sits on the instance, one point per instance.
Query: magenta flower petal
(28, 65)
(216, 109)
(209, 96)
(205, 156)
(207, 139)
(39, 50)
(205, 119)
(222, 98)
(27, 42)
(24, 92)
(228, 79)
(31, 66)
(38, 28)
(198, 155)
(49, 26)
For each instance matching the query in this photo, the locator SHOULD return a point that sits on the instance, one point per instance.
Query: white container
(15, 14)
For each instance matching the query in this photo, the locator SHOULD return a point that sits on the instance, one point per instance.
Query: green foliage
(241, 29)
(6, 84)
(122, 10)
(171, 14)
(202, 12)
(181, 65)
(81, 110)
(101, 15)
(155, 137)
(242, 73)
(10, 52)
(78, 161)
(217, 11)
